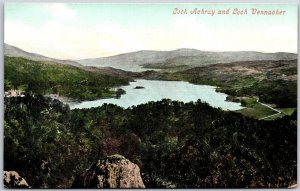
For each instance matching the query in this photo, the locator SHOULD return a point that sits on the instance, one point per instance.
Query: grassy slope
(255, 109)
(285, 111)
(47, 77)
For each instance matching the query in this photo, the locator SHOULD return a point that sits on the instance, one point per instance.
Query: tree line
(176, 144)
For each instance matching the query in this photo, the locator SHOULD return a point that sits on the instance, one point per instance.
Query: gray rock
(13, 180)
(111, 172)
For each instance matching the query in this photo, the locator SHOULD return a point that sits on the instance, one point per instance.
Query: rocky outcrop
(13, 180)
(111, 172)
(293, 186)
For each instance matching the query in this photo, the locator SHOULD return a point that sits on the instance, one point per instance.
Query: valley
(232, 137)
(150, 95)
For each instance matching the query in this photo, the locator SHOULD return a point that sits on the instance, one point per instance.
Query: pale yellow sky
(78, 31)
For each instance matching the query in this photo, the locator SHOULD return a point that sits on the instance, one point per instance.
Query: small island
(120, 92)
(139, 87)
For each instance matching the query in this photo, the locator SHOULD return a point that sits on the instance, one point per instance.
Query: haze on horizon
(82, 30)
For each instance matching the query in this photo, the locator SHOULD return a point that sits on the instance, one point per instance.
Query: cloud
(59, 10)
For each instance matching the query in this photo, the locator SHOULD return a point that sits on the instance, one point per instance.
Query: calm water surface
(155, 90)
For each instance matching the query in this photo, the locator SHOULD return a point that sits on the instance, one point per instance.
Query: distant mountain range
(157, 59)
(182, 57)
(13, 51)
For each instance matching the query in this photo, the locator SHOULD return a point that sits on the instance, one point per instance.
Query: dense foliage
(175, 144)
(48, 77)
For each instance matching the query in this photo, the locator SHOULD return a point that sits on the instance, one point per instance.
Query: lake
(155, 90)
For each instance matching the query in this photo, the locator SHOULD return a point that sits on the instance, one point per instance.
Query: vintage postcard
(137, 95)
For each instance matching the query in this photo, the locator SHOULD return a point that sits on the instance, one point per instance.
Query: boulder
(13, 180)
(293, 186)
(111, 172)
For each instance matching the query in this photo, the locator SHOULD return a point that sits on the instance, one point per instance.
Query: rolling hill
(13, 51)
(180, 57)
(149, 59)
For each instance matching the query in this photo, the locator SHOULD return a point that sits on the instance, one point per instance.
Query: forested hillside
(39, 77)
(175, 144)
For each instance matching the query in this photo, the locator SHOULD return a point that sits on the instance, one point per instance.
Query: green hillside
(37, 77)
